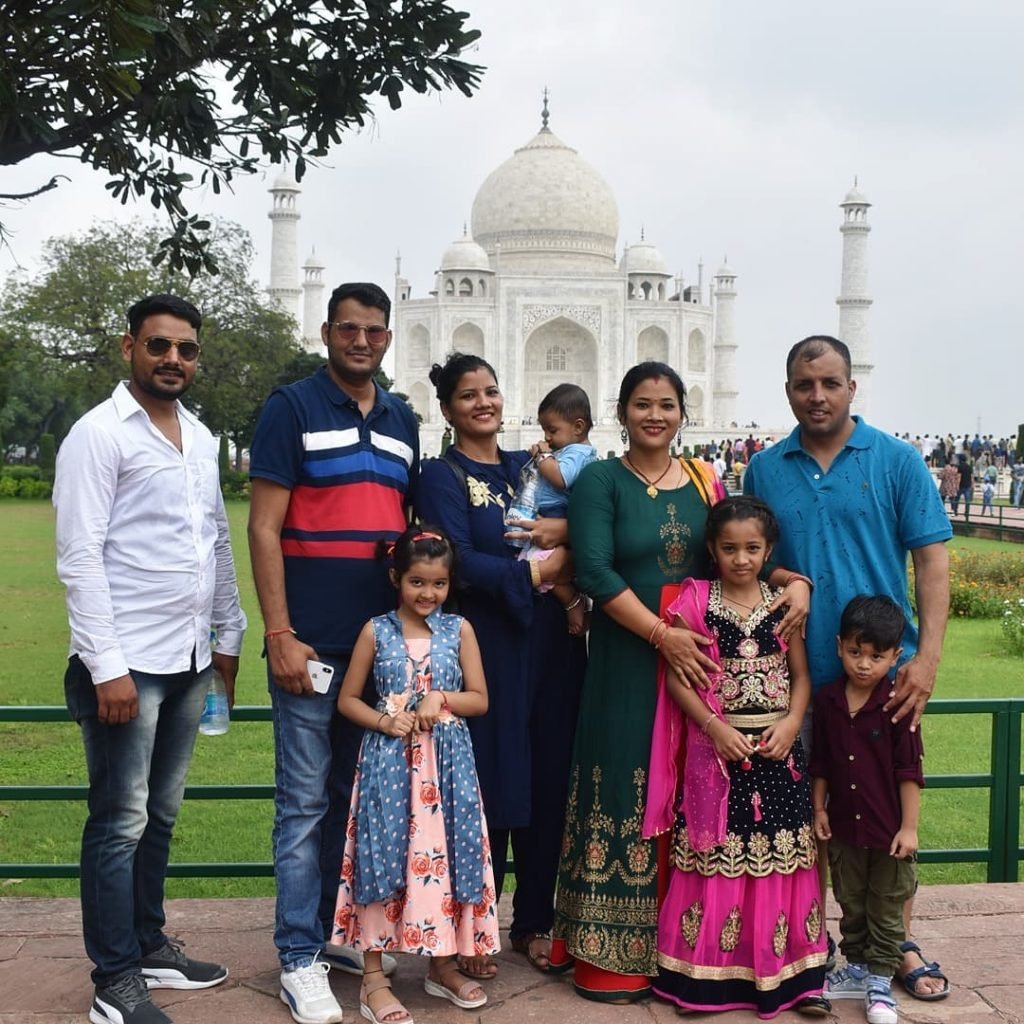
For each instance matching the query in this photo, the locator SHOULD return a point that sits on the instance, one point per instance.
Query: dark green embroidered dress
(606, 908)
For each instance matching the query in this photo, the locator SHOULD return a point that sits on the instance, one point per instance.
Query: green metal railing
(1003, 781)
(1007, 524)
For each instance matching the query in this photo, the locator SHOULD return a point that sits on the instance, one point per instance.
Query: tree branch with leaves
(169, 97)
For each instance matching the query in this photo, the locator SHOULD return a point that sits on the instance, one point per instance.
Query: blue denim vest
(382, 810)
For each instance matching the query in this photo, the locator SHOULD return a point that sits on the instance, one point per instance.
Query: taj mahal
(535, 287)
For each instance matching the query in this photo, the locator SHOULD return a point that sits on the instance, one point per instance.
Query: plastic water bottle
(524, 502)
(215, 718)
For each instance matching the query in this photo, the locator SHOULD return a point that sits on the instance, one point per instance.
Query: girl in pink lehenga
(742, 926)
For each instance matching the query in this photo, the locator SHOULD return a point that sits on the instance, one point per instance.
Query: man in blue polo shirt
(334, 465)
(852, 501)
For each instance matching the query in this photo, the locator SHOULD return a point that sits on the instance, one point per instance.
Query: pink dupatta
(677, 740)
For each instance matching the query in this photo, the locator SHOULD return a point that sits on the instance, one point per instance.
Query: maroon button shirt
(864, 759)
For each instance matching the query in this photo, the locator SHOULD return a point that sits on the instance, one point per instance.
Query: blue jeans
(315, 751)
(136, 780)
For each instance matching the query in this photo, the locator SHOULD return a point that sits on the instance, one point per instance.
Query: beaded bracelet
(793, 576)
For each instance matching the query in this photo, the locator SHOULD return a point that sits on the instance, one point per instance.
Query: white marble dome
(547, 210)
(855, 198)
(465, 254)
(285, 183)
(643, 258)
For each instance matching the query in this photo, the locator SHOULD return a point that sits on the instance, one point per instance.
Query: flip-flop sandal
(456, 996)
(929, 969)
(490, 967)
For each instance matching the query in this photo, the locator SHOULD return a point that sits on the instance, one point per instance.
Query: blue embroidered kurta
(382, 811)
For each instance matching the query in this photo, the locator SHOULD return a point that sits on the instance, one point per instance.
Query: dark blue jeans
(136, 780)
(315, 761)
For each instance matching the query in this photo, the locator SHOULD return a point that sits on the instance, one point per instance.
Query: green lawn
(33, 642)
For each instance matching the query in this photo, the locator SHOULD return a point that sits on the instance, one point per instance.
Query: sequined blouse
(755, 676)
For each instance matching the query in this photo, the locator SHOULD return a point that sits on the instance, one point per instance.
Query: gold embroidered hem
(629, 951)
(738, 973)
(759, 856)
(607, 906)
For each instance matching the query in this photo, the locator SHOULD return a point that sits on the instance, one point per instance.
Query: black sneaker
(168, 967)
(125, 1001)
(814, 1006)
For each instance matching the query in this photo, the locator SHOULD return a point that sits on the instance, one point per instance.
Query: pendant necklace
(652, 488)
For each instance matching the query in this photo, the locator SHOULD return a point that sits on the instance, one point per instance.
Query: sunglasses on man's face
(188, 351)
(376, 334)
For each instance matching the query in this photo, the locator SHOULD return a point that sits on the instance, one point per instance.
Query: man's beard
(162, 392)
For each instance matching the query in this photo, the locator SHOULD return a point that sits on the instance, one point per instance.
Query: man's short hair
(570, 402)
(814, 347)
(875, 620)
(154, 305)
(363, 292)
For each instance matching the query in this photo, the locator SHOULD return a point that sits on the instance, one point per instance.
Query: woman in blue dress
(534, 668)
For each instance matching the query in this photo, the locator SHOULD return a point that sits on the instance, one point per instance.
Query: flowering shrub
(981, 584)
(1013, 625)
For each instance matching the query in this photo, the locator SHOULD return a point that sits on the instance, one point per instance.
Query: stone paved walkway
(975, 931)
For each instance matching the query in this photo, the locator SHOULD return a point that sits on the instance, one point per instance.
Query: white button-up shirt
(142, 543)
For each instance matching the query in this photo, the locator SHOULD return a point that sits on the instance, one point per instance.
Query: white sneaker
(349, 960)
(308, 994)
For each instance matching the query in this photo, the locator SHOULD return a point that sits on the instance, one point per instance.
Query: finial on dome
(544, 112)
(398, 262)
(465, 233)
(855, 181)
(641, 232)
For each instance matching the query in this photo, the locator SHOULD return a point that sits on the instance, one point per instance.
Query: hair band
(427, 536)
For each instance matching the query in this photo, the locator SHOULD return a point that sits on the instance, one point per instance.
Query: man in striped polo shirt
(334, 466)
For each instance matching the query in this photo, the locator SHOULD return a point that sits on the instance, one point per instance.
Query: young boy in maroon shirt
(869, 773)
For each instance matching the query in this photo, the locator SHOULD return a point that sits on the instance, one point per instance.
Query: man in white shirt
(144, 552)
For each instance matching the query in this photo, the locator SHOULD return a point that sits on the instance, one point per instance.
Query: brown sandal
(379, 1017)
(524, 944)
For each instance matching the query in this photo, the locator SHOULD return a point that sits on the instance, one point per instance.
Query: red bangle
(655, 640)
(278, 632)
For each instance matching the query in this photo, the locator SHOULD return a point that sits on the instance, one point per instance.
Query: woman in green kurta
(635, 523)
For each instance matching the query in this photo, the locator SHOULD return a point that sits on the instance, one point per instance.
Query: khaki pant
(871, 887)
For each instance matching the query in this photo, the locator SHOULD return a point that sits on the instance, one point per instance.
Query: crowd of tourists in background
(964, 467)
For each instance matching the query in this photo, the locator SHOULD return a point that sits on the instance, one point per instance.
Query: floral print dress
(416, 874)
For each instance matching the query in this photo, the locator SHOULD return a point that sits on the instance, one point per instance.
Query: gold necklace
(652, 488)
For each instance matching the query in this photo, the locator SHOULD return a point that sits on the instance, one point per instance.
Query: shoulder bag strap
(698, 479)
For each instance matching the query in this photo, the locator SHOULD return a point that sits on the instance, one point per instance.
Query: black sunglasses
(188, 351)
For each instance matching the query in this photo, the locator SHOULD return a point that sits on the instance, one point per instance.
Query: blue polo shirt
(351, 480)
(849, 529)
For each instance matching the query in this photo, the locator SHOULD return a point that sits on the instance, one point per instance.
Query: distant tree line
(60, 332)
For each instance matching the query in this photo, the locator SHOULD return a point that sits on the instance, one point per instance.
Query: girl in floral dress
(416, 875)
(742, 926)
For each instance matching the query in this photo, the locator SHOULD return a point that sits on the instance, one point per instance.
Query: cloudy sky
(722, 129)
